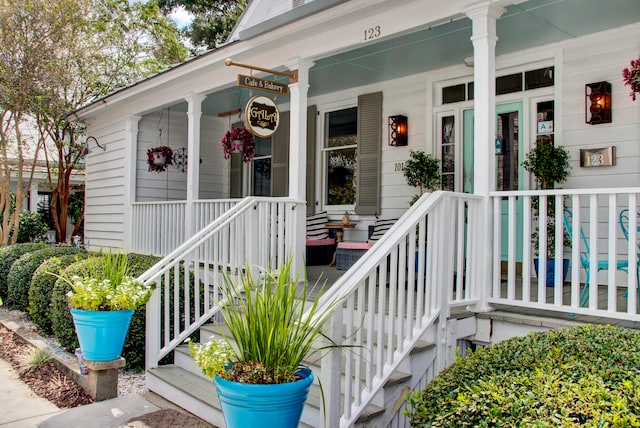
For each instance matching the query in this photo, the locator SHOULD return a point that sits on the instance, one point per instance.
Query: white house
(478, 82)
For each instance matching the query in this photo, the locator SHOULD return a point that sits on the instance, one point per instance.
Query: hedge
(41, 288)
(588, 376)
(62, 323)
(10, 254)
(21, 272)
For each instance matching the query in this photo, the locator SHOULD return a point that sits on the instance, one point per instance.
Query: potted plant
(549, 165)
(102, 304)
(422, 171)
(345, 218)
(159, 158)
(631, 77)
(257, 367)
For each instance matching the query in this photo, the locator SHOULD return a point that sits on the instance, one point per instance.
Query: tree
(92, 48)
(213, 19)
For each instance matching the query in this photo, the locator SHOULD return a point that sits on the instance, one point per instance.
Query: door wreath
(159, 158)
(239, 140)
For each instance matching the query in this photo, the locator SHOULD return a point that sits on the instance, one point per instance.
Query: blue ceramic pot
(101, 333)
(551, 269)
(278, 405)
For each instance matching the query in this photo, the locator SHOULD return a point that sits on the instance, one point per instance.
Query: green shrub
(21, 272)
(62, 322)
(41, 288)
(588, 375)
(10, 254)
(31, 227)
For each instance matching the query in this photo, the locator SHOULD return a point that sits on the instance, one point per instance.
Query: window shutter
(312, 112)
(369, 153)
(235, 170)
(280, 157)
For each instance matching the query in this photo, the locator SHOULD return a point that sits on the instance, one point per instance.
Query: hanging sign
(262, 116)
(263, 84)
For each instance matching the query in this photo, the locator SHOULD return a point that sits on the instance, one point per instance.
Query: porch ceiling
(523, 25)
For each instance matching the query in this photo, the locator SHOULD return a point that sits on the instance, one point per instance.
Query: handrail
(398, 314)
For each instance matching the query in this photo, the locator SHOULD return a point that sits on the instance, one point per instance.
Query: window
(261, 168)
(509, 83)
(448, 153)
(340, 149)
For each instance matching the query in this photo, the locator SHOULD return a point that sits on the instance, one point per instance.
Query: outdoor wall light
(398, 131)
(597, 103)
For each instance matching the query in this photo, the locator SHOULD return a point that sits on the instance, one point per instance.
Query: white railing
(160, 227)
(404, 284)
(187, 295)
(157, 227)
(589, 221)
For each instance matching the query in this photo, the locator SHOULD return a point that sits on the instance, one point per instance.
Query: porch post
(193, 160)
(33, 196)
(298, 158)
(483, 16)
(130, 173)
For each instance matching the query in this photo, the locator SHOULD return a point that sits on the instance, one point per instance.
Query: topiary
(422, 171)
(584, 375)
(62, 322)
(10, 254)
(41, 288)
(21, 272)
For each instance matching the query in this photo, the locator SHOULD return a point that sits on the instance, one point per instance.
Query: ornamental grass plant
(271, 328)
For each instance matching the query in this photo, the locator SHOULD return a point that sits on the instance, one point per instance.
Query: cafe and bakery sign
(262, 84)
(262, 116)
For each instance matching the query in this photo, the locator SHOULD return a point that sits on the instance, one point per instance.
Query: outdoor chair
(348, 252)
(622, 265)
(624, 225)
(320, 247)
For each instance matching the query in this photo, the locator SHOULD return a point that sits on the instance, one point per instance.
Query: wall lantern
(398, 131)
(597, 103)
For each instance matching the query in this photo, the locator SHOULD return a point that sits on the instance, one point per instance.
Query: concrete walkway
(19, 406)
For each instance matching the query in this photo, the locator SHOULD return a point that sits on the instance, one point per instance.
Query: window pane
(453, 94)
(263, 146)
(342, 127)
(448, 182)
(341, 177)
(262, 177)
(508, 84)
(538, 78)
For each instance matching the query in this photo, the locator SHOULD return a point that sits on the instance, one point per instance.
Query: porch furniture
(320, 247)
(624, 225)
(339, 228)
(347, 253)
(622, 265)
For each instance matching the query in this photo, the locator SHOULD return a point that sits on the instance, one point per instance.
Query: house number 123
(372, 33)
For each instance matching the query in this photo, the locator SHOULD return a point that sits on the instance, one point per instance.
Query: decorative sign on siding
(262, 116)
(262, 84)
(605, 156)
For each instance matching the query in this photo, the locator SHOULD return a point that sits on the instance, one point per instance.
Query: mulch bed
(46, 381)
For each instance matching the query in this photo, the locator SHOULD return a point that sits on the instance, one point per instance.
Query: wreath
(159, 158)
(239, 140)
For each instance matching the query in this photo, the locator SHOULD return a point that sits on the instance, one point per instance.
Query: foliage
(213, 19)
(422, 171)
(585, 375)
(159, 152)
(631, 77)
(239, 140)
(36, 358)
(75, 211)
(32, 227)
(271, 328)
(108, 288)
(41, 288)
(10, 254)
(548, 163)
(62, 322)
(21, 273)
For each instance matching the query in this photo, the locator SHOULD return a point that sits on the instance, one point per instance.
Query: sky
(181, 17)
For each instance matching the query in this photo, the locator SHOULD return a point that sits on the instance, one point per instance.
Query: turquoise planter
(101, 333)
(248, 405)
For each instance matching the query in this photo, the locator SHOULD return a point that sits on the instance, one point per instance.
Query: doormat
(167, 418)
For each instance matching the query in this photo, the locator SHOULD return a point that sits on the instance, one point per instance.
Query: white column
(33, 196)
(483, 16)
(298, 156)
(193, 159)
(130, 172)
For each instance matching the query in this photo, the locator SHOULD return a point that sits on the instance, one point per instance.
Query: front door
(509, 156)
